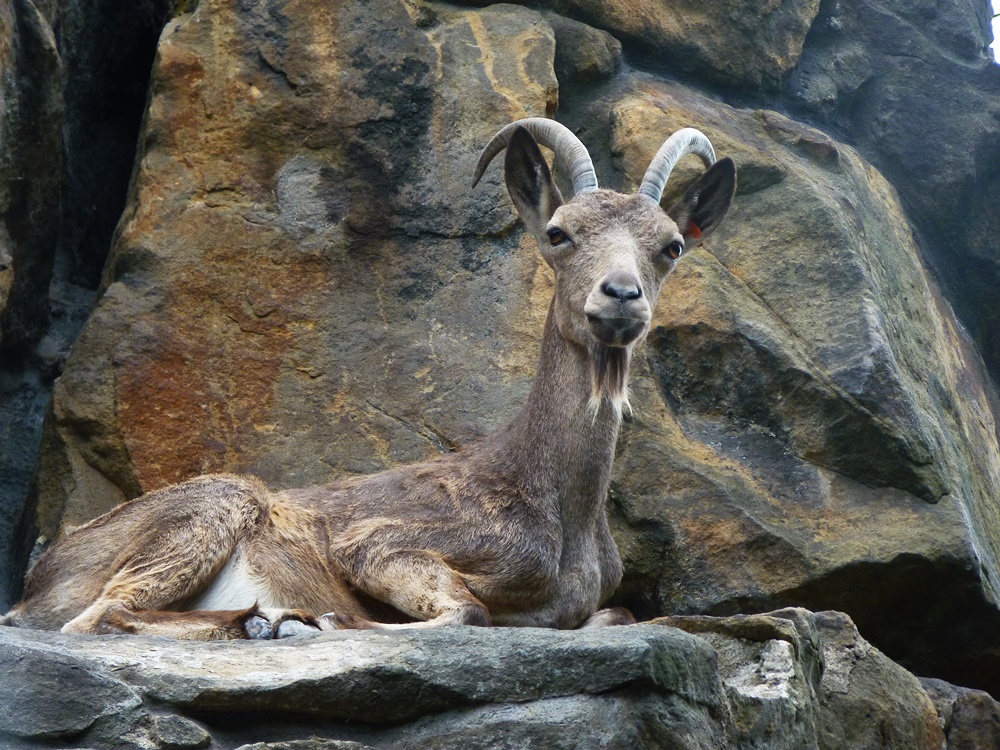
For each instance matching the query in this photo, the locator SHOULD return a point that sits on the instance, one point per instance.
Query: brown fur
(511, 531)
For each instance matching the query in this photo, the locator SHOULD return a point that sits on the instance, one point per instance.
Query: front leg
(197, 625)
(418, 583)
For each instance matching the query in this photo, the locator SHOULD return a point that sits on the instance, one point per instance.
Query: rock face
(893, 74)
(736, 43)
(840, 470)
(789, 679)
(348, 204)
(969, 718)
(302, 284)
(30, 168)
(72, 97)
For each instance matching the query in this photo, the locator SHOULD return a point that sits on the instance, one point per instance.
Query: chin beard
(609, 377)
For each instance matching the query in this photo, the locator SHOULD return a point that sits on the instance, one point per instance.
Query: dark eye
(556, 236)
(674, 250)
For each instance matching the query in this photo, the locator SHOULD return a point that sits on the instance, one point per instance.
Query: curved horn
(552, 135)
(684, 141)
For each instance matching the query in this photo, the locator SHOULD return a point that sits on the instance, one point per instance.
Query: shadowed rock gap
(107, 50)
(91, 87)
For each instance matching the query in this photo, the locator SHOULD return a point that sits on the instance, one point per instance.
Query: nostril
(621, 291)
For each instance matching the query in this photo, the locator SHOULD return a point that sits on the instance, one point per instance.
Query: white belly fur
(234, 588)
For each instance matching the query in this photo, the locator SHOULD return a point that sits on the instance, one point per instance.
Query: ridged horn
(554, 136)
(683, 142)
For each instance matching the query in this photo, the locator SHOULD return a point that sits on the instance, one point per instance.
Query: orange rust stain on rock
(190, 402)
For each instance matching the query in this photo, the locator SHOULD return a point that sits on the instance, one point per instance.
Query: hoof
(258, 628)
(268, 624)
(292, 627)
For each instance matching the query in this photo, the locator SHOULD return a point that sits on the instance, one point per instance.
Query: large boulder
(789, 680)
(970, 718)
(303, 269)
(811, 426)
(741, 42)
(798, 679)
(913, 84)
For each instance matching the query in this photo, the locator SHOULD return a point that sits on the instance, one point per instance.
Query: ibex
(510, 531)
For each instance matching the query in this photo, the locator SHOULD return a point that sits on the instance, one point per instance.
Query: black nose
(621, 290)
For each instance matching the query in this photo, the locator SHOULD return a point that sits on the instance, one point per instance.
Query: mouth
(616, 331)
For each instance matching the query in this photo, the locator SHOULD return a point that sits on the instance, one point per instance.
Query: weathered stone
(789, 680)
(315, 743)
(639, 687)
(802, 372)
(808, 680)
(628, 719)
(406, 675)
(867, 701)
(178, 733)
(794, 626)
(740, 42)
(30, 183)
(583, 53)
(970, 718)
(46, 695)
(347, 211)
(30, 168)
(770, 668)
(72, 96)
(916, 89)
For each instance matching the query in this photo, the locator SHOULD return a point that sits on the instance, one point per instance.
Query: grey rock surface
(915, 88)
(790, 679)
(970, 718)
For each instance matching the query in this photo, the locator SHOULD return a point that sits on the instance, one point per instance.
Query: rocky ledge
(788, 679)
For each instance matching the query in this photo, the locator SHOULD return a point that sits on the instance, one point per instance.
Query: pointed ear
(529, 182)
(705, 203)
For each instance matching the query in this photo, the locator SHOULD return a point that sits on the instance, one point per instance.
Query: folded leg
(418, 583)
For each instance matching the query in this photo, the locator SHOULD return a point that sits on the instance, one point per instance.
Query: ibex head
(610, 252)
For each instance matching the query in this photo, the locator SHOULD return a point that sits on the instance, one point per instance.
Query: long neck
(558, 446)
